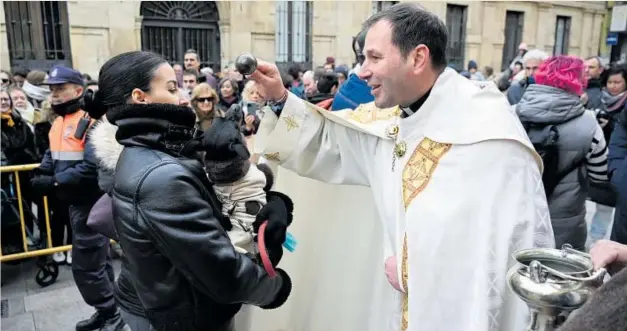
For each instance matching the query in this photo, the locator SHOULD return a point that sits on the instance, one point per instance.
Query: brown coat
(606, 310)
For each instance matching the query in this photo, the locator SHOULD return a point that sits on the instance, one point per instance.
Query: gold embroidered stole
(416, 176)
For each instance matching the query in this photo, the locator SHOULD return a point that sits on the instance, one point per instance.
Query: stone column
(493, 36)
(137, 31)
(225, 43)
(5, 60)
(545, 37)
(587, 43)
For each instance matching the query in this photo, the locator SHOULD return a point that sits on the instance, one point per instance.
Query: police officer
(69, 171)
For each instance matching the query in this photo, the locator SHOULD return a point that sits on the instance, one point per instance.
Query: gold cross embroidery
(273, 157)
(290, 122)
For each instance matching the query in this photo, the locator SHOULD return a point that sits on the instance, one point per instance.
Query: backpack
(545, 141)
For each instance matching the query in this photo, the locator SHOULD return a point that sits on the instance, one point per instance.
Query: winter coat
(77, 179)
(578, 129)
(179, 258)
(516, 90)
(18, 141)
(594, 94)
(352, 93)
(107, 150)
(42, 129)
(617, 162)
(604, 193)
(606, 310)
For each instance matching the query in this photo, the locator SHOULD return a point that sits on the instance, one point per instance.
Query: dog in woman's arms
(242, 187)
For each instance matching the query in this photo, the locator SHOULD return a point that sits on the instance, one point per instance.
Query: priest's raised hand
(269, 82)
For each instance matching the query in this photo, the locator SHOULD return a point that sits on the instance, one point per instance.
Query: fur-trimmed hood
(106, 147)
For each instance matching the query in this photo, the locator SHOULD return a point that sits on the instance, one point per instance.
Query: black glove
(42, 185)
(39, 172)
(284, 292)
(275, 254)
(278, 212)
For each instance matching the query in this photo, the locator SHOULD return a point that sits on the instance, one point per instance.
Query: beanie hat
(472, 64)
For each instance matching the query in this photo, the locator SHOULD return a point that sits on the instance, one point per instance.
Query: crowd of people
(167, 149)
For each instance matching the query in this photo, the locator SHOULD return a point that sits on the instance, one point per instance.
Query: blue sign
(612, 39)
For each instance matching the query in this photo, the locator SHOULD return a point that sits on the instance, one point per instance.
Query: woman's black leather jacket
(183, 266)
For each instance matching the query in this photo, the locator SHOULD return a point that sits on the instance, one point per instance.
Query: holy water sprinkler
(246, 64)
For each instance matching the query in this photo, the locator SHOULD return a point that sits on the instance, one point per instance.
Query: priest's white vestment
(465, 195)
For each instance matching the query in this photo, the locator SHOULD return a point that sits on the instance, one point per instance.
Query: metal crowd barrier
(49, 271)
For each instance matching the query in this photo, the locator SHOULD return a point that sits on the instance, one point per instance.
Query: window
(293, 33)
(378, 6)
(514, 22)
(38, 33)
(456, 25)
(169, 28)
(562, 35)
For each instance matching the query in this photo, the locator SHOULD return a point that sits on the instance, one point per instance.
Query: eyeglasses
(210, 99)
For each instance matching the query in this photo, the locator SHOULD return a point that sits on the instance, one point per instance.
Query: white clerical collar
(408, 112)
(415, 106)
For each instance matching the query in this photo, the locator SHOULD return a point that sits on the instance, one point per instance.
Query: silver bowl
(553, 282)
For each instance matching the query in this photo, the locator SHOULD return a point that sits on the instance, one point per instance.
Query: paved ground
(32, 308)
(57, 307)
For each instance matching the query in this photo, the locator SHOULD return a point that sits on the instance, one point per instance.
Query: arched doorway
(170, 28)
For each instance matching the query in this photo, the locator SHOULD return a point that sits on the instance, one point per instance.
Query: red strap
(265, 259)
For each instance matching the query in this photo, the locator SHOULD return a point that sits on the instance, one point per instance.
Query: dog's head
(224, 141)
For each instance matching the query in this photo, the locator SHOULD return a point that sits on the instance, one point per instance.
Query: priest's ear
(420, 58)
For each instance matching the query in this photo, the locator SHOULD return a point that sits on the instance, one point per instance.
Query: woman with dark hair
(613, 102)
(228, 91)
(180, 272)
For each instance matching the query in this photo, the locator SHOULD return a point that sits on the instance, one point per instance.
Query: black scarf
(165, 127)
(594, 83)
(68, 107)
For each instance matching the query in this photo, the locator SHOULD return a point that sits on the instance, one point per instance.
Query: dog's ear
(235, 114)
(269, 175)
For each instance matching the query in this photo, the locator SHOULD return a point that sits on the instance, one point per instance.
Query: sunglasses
(4, 80)
(205, 99)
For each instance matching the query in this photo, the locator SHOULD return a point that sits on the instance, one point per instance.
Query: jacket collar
(106, 148)
(164, 127)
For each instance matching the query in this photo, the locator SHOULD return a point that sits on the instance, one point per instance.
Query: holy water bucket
(553, 283)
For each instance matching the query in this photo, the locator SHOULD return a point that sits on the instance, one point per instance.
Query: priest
(456, 182)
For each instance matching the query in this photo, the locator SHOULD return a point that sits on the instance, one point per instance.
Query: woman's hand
(278, 212)
(607, 252)
(250, 122)
(584, 98)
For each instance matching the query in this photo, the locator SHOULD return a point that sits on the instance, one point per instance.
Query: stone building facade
(85, 34)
